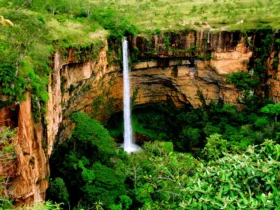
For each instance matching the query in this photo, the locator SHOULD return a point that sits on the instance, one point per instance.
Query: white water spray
(128, 145)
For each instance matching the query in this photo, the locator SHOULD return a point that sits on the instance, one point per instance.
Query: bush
(248, 180)
(58, 191)
(47, 205)
(190, 137)
(243, 80)
(12, 87)
(228, 181)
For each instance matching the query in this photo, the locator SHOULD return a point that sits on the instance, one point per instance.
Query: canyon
(175, 66)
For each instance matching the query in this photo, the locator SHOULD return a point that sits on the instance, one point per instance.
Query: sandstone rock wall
(274, 76)
(177, 66)
(28, 174)
(177, 73)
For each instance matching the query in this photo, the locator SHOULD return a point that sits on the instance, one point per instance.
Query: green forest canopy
(97, 175)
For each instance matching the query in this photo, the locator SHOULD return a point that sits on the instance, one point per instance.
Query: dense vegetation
(188, 127)
(90, 172)
(87, 165)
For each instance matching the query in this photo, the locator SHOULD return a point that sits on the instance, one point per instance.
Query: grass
(73, 28)
(198, 14)
(75, 32)
(68, 30)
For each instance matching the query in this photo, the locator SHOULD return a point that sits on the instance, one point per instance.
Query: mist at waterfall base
(128, 144)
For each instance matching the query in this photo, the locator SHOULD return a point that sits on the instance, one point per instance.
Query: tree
(190, 137)
(272, 109)
(58, 191)
(248, 180)
(172, 180)
(89, 165)
(159, 174)
(57, 6)
(87, 7)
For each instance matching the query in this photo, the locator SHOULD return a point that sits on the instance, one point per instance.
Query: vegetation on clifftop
(45, 26)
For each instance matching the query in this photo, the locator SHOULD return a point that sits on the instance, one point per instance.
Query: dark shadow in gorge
(153, 121)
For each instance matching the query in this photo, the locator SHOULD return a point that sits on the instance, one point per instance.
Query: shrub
(243, 80)
(12, 87)
(58, 191)
(248, 180)
(228, 181)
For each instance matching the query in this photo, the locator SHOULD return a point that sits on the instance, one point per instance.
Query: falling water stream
(128, 145)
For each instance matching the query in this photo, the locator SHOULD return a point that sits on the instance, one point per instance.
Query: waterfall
(128, 145)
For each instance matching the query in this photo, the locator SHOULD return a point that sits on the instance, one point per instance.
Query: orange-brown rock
(274, 76)
(181, 83)
(27, 182)
(176, 73)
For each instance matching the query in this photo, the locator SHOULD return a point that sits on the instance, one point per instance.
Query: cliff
(166, 66)
(28, 172)
(188, 63)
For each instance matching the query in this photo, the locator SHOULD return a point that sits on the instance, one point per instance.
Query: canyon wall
(183, 64)
(28, 173)
(172, 66)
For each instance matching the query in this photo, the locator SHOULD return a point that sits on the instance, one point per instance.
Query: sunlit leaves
(227, 181)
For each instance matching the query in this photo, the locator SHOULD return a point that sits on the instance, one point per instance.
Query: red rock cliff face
(28, 175)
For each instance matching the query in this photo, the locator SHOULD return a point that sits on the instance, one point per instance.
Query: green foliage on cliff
(24, 59)
(27, 47)
(243, 80)
(11, 86)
